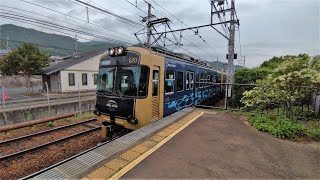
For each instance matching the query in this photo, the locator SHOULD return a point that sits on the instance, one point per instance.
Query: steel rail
(66, 160)
(20, 153)
(46, 131)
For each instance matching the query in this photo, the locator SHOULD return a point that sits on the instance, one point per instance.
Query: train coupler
(107, 131)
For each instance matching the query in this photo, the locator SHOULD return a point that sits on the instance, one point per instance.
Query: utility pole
(230, 69)
(76, 45)
(87, 14)
(0, 38)
(149, 26)
(217, 65)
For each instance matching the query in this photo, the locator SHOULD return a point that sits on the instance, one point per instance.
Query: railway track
(66, 160)
(20, 146)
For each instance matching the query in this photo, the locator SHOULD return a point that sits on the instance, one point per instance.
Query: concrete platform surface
(222, 145)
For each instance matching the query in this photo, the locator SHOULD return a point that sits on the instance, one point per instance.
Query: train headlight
(120, 50)
(117, 51)
(111, 52)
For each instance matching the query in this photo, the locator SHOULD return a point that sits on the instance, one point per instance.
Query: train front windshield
(131, 81)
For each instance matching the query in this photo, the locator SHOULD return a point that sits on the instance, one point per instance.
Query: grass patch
(285, 128)
(313, 129)
(50, 124)
(45, 126)
(30, 94)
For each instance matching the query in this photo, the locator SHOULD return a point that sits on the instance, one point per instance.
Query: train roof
(184, 57)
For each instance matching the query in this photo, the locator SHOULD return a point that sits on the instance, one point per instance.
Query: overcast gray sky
(267, 27)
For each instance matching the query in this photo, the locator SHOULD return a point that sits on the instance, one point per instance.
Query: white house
(75, 72)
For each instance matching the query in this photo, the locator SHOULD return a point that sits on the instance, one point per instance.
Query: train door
(155, 93)
(192, 83)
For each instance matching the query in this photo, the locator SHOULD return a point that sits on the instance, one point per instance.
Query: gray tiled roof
(72, 60)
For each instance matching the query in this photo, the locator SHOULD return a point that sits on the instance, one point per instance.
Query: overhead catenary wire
(136, 7)
(44, 27)
(107, 12)
(186, 26)
(45, 23)
(52, 18)
(174, 35)
(40, 45)
(78, 19)
(175, 17)
(53, 25)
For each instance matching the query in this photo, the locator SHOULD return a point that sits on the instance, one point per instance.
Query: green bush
(50, 124)
(246, 76)
(280, 127)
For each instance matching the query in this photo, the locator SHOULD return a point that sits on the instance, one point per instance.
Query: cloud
(55, 3)
(268, 27)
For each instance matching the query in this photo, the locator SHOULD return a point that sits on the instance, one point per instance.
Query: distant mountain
(48, 42)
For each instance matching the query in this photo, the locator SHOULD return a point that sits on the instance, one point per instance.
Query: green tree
(294, 79)
(246, 76)
(26, 60)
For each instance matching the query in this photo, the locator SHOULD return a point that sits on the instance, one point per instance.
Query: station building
(73, 73)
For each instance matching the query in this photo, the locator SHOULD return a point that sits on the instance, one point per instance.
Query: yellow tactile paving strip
(117, 167)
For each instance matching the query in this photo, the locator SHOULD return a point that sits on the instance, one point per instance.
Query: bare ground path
(224, 146)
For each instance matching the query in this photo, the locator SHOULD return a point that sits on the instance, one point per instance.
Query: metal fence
(307, 107)
(46, 98)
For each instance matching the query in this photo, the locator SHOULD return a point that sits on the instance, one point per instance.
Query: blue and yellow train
(138, 85)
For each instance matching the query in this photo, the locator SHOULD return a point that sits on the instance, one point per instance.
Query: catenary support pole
(230, 69)
(149, 26)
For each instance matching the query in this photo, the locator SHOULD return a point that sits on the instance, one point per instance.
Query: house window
(71, 79)
(84, 79)
(180, 81)
(169, 83)
(95, 79)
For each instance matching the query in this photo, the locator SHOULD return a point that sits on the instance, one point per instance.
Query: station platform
(208, 144)
(193, 143)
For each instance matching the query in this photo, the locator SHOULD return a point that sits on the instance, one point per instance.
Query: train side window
(191, 80)
(155, 82)
(197, 80)
(169, 82)
(202, 80)
(180, 81)
(187, 80)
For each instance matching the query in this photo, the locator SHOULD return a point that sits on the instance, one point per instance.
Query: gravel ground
(43, 158)
(19, 145)
(42, 127)
(32, 162)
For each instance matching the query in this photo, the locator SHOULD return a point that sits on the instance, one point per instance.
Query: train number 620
(133, 60)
